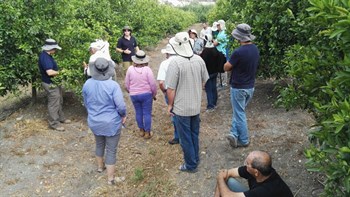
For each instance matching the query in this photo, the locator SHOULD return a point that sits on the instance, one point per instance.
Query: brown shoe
(142, 132)
(148, 135)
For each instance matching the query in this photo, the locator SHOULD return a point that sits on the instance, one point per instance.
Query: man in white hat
(185, 79)
(243, 63)
(169, 54)
(49, 69)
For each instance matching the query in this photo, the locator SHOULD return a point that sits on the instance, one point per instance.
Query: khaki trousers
(54, 104)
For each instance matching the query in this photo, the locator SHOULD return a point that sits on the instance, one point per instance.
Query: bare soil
(37, 161)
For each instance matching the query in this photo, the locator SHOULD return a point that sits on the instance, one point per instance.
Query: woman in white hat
(141, 85)
(198, 42)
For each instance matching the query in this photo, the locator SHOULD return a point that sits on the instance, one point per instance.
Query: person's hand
(85, 65)
(127, 51)
(170, 108)
(223, 174)
(124, 120)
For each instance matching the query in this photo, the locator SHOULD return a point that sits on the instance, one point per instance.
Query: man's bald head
(261, 161)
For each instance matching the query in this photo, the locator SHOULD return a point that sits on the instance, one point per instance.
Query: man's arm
(227, 66)
(222, 188)
(162, 86)
(51, 72)
(171, 95)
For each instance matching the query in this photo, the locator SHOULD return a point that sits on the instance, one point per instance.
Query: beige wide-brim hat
(140, 57)
(243, 33)
(50, 44)
(182, 45)
(168, 49)
(101, 69)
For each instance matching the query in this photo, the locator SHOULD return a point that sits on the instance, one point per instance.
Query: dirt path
(36, 161)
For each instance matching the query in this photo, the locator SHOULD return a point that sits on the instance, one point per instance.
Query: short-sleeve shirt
(186, 76)
(124, 44)
(163, 68)
(244, 61)
(46, 62)
(273, 186)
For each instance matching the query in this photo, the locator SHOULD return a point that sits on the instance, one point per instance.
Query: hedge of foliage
(307, 43)
(75, 24)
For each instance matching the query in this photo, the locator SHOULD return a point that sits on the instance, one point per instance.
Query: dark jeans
(188, 130)
(211, 90)
(143, 110)
(176, 135)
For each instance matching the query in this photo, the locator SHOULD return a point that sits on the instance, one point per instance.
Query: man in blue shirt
(243, 63)
(49, 69)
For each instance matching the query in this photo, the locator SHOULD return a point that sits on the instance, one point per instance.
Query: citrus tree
(74, 24)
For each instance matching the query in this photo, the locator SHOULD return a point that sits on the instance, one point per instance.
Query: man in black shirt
(262, 179)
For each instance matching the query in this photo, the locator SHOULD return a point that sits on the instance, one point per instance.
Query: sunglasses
(124, 30)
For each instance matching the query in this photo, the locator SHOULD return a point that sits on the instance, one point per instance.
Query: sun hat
(193, 31)
(243, 33)
(101, 69)
(168, 49)
(50, 44)
(140, 57)
(126, 27)
(215, 26)
(181, 44)
(222, 24)
(98, 44)
(209, 41)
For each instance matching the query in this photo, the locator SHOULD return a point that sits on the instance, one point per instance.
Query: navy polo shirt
(124, 44)
(46, 62)
(244, 61)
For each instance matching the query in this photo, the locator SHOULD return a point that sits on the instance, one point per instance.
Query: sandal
(100, 170)
(111, 182)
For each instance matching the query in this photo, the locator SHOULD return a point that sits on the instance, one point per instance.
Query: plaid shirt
(187, 76)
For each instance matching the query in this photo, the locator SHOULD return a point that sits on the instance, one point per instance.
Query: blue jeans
(143, 108)
(176, 135)
(235, 185)
(188, 130)
(239, 100)
(211, 90)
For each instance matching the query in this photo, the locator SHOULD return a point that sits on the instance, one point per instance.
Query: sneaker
(66, 121)
(174, 141)
(210, 110)
(232, 140)
(239, 144)
(183, 168)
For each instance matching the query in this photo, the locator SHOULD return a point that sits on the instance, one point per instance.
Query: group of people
(181, 78)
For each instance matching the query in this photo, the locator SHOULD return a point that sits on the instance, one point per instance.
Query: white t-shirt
(204, 32)
(163, 68)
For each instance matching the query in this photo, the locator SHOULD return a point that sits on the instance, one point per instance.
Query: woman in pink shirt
(141, 85)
